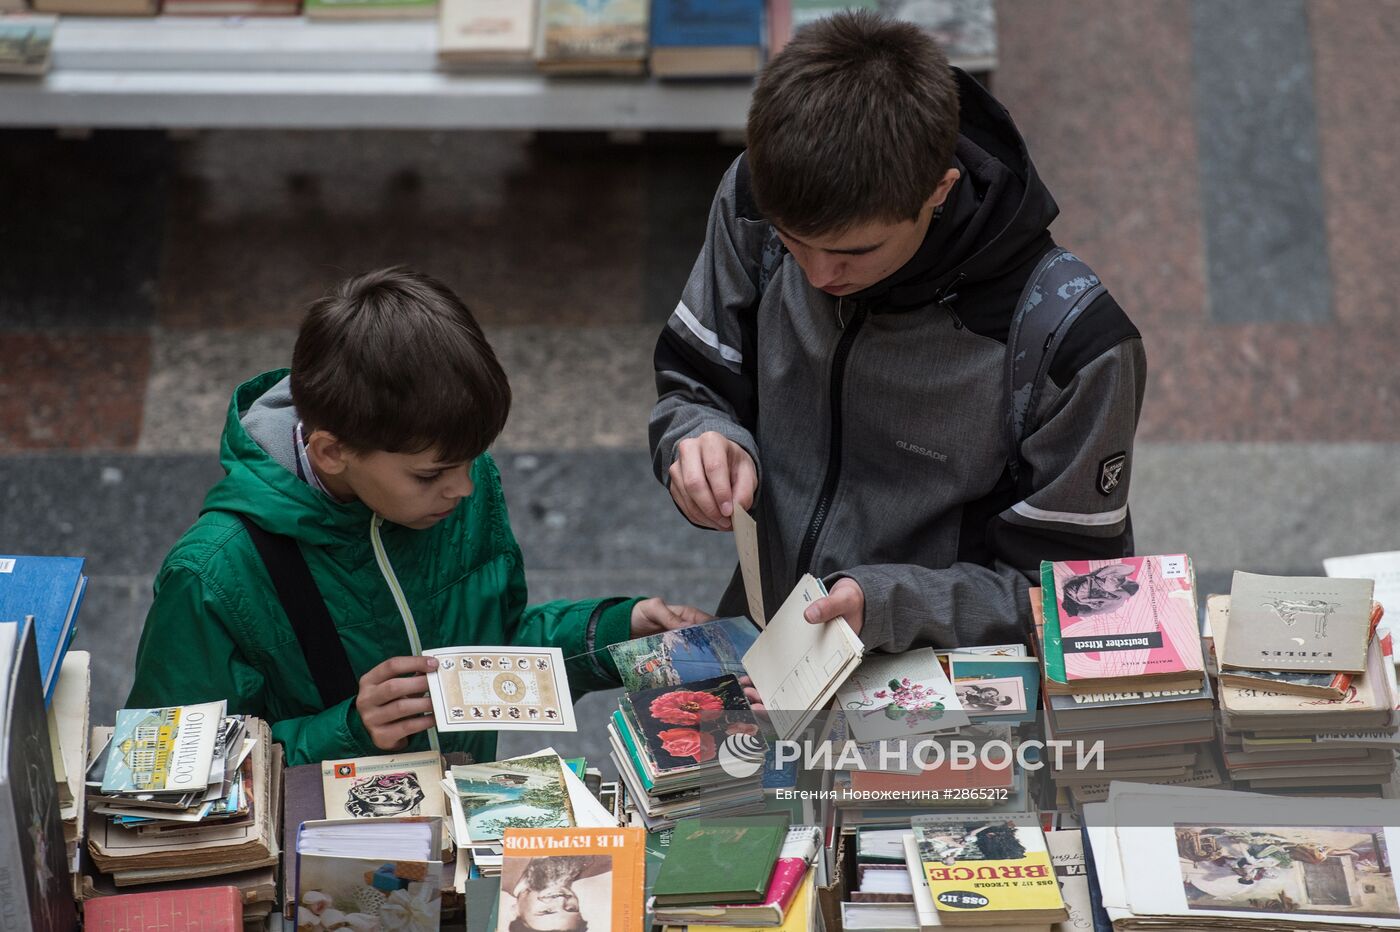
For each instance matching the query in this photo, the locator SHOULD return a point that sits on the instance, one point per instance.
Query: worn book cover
(1067, 857)
(500, 689)
(682, 726)
(720, 860)
(583, 31)
(898, 695)
(1302, 623)
(1124, 618)
(572, 879)
(208, 909)
(995, 867)
(166, 750)
(487, 29)
(1322, 684)
(684, 655)
(376, 787)
(526, 792)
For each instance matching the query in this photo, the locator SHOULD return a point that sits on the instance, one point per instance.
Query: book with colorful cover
(166, 750)
(899, 695)
(379, 787)
(1121, 620)
(996, 870)
(526, 792)
(581, 35)
(387, 870)
(683, 726)
(551, 878)
(684, 655)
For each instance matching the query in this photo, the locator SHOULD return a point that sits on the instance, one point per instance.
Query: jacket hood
(997, 215)
(259, 486)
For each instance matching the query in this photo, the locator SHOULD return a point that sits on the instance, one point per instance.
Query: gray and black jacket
(877, 420)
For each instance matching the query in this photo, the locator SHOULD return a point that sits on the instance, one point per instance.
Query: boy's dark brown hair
(392, 360)
(854, 121)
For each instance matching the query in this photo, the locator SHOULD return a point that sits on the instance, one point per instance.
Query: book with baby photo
(580, 878)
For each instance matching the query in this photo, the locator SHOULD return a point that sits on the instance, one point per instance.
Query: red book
(203, 909)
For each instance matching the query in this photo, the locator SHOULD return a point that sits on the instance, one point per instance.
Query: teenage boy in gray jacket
(855, 402)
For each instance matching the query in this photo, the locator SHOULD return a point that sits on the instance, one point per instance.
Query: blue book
(51, 589)
(707, 23)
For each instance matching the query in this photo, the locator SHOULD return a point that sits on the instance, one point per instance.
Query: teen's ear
(327, 453)
(945, 185)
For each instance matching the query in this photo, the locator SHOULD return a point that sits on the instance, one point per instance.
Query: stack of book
(1122, 661)
(666, 743)
(185, 793)
(787, 875)
(1306, 690)
(68, 737)
(1184, 860)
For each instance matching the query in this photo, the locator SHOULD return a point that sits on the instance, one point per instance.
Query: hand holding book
(393, 701)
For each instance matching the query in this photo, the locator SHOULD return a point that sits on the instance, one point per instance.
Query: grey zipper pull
(840, 318)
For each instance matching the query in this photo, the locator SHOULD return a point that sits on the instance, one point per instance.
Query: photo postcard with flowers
(898, 696)
(684, 726)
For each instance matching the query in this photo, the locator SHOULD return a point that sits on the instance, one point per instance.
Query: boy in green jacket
(371, 454)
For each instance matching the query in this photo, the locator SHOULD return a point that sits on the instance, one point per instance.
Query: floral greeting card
(684, 725)
(899, 696)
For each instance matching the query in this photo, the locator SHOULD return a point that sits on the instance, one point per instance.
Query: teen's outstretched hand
(652, 616)
(712, 475)
(846, 599)
(393, 698)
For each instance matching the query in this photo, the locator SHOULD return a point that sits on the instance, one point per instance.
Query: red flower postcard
(685, 725)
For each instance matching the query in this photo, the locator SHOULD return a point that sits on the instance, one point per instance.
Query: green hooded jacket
(217, 629)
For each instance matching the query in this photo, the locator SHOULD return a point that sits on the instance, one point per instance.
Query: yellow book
(989, 873)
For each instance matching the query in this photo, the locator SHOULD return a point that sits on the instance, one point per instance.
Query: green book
(1054, 654)
(370, 9)
(720, 860)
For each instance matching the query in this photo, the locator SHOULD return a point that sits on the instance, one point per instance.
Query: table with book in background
(1082, 783)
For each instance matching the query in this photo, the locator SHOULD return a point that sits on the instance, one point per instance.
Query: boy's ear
(945, 185)
(327, 453)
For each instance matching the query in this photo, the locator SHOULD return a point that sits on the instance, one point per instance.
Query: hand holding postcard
(500, 689)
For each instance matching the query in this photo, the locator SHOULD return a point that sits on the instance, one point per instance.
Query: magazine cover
(163, 750)
(527, 792)
(898, 695)
(572, 879)
(1134, 616)
(684, 655)
(377, 787)
(992, 866)
(1302, 623)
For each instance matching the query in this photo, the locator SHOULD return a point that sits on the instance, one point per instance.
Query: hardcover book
(377, 787)
(572, 879)
(526, 792)
(899, 695)
(1305, 624)
(684, 655)
(989, 873)
(594, 35)
(38, 893)
(800, 848)
(209, 909)
(369, 9)
(385, 870)
(49, 588)
(719, 38)
(1120, 621)
(726, 860)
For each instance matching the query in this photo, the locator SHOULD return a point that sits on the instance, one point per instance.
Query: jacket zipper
(833, 463)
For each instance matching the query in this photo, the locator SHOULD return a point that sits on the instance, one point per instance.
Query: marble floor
(1221, 165)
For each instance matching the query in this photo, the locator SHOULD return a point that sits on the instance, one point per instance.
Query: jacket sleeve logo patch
(1111, 472)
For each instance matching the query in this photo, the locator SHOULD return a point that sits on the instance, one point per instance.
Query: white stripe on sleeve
(706, 335)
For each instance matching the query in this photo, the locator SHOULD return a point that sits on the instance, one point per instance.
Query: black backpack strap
(1057, 292)
(311, 620)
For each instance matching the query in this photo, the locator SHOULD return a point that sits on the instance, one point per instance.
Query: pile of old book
(1178, 858)
(745, 871)
(1121, 655)
(1307, 691)
(68, 739)
(182, 794)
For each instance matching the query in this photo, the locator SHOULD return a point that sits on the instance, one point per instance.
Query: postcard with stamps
(501, 689)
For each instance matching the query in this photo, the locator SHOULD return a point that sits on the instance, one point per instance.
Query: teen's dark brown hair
(854, 121)
(392, 360)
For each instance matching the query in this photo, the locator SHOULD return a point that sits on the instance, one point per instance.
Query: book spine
(1054, 654)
